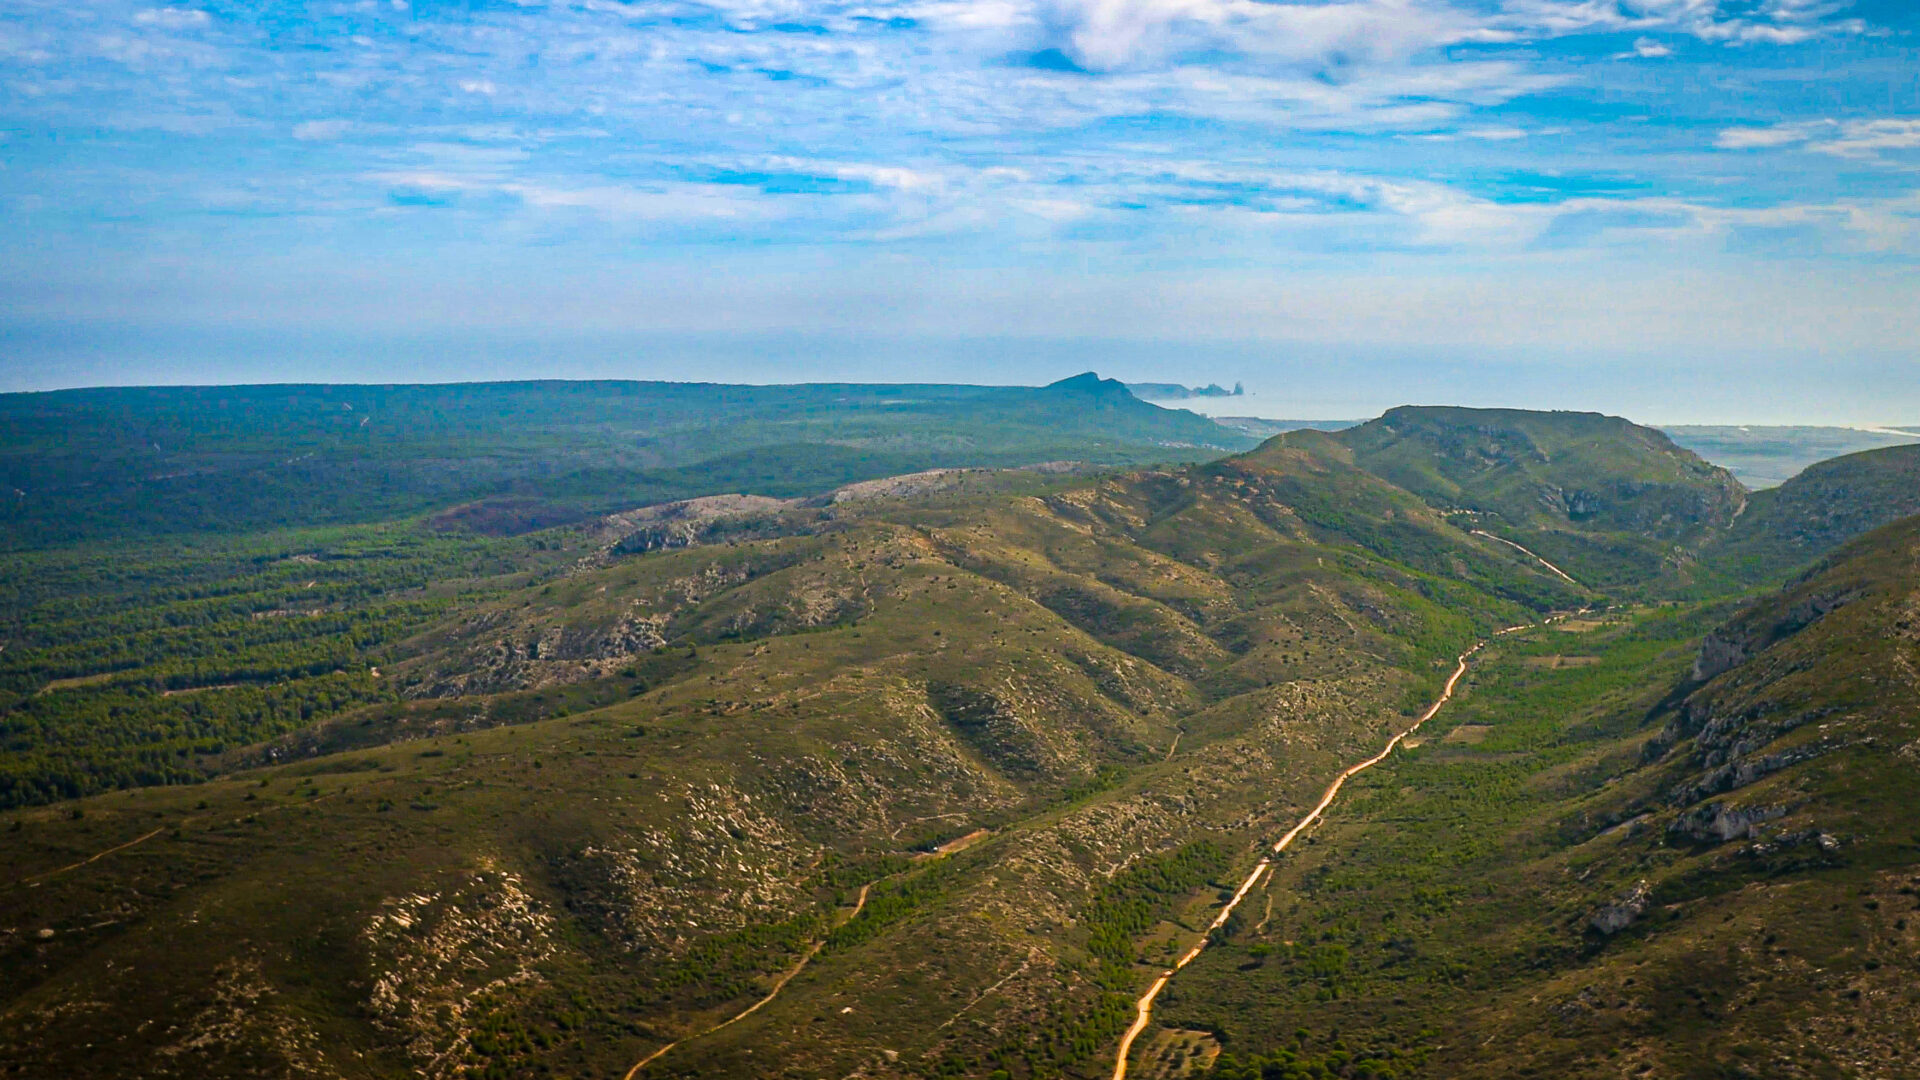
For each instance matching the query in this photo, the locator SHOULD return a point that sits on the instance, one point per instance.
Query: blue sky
(1678, 209)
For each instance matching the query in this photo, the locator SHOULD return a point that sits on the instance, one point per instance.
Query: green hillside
(1626, 853)
(1612, 503)
(1823, 507)
(80, 465)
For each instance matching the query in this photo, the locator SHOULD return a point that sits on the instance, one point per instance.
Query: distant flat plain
(1764, 457)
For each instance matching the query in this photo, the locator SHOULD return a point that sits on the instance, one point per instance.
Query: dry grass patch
(1555, 663)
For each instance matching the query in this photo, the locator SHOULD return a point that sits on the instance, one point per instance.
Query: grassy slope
(577, 888)
(1819, 509)
(1615, 504)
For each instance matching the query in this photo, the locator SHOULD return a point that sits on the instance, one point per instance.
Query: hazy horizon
(1297, 383)
(1679, 210)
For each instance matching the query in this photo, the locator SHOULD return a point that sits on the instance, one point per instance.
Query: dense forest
(130, 665)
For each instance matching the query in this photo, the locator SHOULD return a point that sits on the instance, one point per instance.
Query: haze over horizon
(1678, 210)
(1308, 384)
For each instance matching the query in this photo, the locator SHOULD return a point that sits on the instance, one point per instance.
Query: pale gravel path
(1143, 1009)
(778, 985)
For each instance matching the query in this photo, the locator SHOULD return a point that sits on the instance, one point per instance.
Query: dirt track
(778, 985)
(1144, 1007)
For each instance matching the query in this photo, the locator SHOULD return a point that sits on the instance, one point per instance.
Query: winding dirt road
(1143, 1009)
(778, 985)
(1568, 578)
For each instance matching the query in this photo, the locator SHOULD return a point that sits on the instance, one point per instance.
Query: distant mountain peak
(1089, 382)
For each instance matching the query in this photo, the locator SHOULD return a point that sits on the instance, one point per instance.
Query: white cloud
(1852, 138)
(1113, 35)
(943, 127)
(669, 202)
(321, 130)
(1763, 138)
(1780, 22)
(173, 18)
(1869, 138)
(886, 176)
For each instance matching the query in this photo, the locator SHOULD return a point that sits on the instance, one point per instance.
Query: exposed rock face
(709, 519)
(1620, 914)
(900, 487)
(1723, 739)
(727, 862)
(244, 1019)
(1738, 774)
(1732, 645)
(1726, 748)
(1826, 842)
(440, 958)
(1717, 823)
(1718, 654)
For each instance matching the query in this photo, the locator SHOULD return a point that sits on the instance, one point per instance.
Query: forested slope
(80, 465)
(1634, 849)
(1821, 508)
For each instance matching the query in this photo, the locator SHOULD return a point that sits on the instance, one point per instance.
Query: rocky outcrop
(1726, 747)
(1732, 645)
(439, 958)
(1717, 823)
(1621, 914)
(1828, 843)
(690, 522)
(898, 487)
(1738, 774)
(1718, 654)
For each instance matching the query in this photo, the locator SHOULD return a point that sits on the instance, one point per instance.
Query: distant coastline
(1160, 391)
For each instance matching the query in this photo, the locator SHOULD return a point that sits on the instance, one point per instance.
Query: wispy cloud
(1253, 134)
(1869, 138)
(173, 18)
(322, 130)
(1864, 139)
(1773, 135)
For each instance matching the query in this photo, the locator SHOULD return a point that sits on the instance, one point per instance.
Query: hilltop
(1614, 503)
